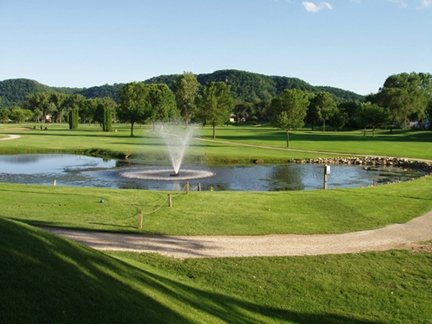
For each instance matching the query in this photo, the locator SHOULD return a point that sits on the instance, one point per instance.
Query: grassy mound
(46, 279)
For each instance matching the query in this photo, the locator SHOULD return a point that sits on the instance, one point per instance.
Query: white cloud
(315, 7)
(400, 3)
(424, 4)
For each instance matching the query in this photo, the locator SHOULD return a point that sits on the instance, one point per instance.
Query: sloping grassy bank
(47, 279)
(219, 213)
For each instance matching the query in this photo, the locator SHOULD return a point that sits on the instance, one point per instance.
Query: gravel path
(386, 238)
(9, 137)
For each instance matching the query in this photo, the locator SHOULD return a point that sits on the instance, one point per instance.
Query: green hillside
(246, 86)
(251, 87)
(14, 91)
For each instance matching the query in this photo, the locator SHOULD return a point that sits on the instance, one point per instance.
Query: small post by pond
(326, 176)
(55, 182)
(187, 187)
(170, 203)
(199, 186)
(140, 218)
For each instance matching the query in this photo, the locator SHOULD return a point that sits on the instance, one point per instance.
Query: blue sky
(351, 44)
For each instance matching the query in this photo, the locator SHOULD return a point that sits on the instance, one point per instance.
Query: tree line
(139, 102)
(404, 98)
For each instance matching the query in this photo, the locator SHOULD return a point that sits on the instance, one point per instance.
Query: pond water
(78, 170)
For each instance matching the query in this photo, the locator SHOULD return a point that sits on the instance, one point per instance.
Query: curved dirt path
(10, 137)
(386, 238)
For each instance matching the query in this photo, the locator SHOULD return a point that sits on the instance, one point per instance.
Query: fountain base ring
(167, 174)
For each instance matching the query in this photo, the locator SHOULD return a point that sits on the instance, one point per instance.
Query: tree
(19, 115)
(99, 108)
(406, 96)
(4, 115)
(56, 107)
(73, 118)
(289, 110)
(371, 115)
(133, 104)
(186, 89)
(107, 119)
(161, 102)
(348, 109)
(40, 101)
(322, 107)
(215, 104)
(339, 119)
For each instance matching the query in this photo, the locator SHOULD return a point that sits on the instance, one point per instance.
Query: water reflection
(76, 170)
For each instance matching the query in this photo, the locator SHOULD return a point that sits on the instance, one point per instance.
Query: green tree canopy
(40, 101)
(322, 107)
(161, 102)
(4, 115)
(371, 115)
(406, 96)
(186, 89)
(19, 115)
(133, 104)
(289, 110)
(216, 104)
(99, 106)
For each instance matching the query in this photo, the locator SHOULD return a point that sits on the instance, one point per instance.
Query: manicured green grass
(89, 138)
(331, 211)
(334, 211)
(145, 145)
(378, 287)
(47, 279)
(413, 144)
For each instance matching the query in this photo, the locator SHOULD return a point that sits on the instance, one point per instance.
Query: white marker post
(326, 176)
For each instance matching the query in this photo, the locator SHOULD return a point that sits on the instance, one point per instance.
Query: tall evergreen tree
(73, 118)
(107, 119)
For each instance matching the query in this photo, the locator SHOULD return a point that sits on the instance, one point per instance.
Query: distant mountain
(245, 86)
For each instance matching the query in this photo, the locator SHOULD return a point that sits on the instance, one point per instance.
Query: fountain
(176, 141)
(176, 138)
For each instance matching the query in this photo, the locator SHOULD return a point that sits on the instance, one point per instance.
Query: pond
(85, 171)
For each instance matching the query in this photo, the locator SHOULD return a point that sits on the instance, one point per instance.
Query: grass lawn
(414, 144)
(196, 213)
(145, 145)
(45, 278)
(332, 211)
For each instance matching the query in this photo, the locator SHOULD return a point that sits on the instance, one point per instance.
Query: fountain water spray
(177, 140)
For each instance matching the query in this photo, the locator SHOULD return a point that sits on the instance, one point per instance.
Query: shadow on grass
(49, 279)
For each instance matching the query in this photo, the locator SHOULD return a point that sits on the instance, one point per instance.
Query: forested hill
(246, 86)
(14, 91)
(251, 87)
